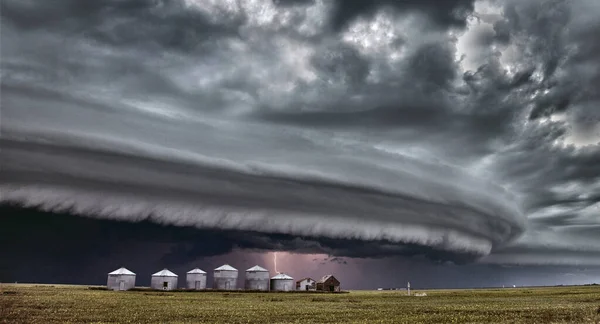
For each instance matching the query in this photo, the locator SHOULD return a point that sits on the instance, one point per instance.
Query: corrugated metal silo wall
(225, 279)
(114, 282)
(195, 281)
(257, 280)
(159, 283)
(282, 284)
(129, 281)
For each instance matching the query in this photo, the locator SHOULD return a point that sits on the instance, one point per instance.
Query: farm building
(195, 279)
(305, 284)
(121, 279)
(257, 278)
(164, 280)
(282, 282)
(225, 277)
(328, 283)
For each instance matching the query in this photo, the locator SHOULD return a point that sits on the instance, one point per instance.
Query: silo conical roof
(197, 270)
(164, 273)
(226, 267)
(282, 276)
(257, 268)
(121, 271)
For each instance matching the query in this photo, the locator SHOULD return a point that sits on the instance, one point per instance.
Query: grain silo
(164, 280)
(121, 279)
(282, 282)
(225, 277)
(195, 279)
(257, 278)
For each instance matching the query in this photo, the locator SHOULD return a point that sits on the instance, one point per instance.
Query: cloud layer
(420, 203)
(453, 127)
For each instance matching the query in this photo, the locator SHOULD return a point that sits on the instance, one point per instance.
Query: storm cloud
(463, 131)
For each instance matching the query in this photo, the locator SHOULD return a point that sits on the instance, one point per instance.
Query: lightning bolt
(275, 261)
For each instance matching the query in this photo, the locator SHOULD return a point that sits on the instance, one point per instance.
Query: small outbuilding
(257, 278)
(282, 282)
(306, 284)
(195, 279)
(225, 277)
(121, 279)
(164, 280)
(328, 283)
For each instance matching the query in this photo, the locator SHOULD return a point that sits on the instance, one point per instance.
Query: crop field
(22, 303)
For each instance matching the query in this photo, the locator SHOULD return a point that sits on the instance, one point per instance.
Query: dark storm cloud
(567, 56)
(47, 243)
(252, 197)
(293, 117)
(561, 182)
(434, 65)
(341, 63)
(442, 13)
(151, 24)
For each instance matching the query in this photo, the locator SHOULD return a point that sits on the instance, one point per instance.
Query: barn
(195, 279)
(305, 284)
(257, 278)
(225, 277)
(282, 282)
(164, 280)
(121, 279)
(328, 283)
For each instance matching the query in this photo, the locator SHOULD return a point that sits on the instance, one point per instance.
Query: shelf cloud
(422, 203)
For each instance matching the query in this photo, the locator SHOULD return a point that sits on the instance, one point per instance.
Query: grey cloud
(341, 63)
(549, 164)
(258, 197)
(502, 31)
(148, 23)
(557, 38)
(68, 18)
(315, 103)
(562, 200)
(434, 65)
(442, 14)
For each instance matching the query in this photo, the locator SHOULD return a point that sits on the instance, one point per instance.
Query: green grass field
(78, 304)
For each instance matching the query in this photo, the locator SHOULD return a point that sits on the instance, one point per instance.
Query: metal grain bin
(257, 278)
(121, 279)
(195, 279)
(282, 282)
(225, 278)
(164, 280)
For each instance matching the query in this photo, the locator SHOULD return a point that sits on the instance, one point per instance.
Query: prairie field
(23, 303)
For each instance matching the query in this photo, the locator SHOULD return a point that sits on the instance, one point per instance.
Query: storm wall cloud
(467, 130)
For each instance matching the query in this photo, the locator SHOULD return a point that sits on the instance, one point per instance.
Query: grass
(77, 304)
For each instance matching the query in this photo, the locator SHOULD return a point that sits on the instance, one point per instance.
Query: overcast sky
(405, 138)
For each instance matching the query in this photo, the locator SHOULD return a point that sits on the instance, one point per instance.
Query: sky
(450, 144)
